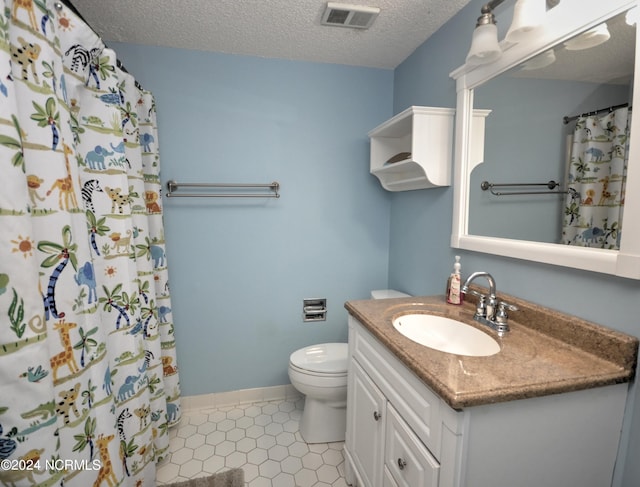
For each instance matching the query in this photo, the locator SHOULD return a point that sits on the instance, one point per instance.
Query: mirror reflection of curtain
(596, 177)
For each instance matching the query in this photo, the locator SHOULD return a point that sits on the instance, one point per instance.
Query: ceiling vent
(345, 15)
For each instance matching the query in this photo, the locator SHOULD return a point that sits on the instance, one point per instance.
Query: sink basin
(446, 335)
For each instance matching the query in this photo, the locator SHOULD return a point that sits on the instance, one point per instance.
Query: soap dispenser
(453, 294)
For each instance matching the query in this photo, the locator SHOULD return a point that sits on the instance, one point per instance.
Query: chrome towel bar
(172, 186)
(551, 185)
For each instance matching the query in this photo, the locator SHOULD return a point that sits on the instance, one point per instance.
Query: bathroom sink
(446, 335)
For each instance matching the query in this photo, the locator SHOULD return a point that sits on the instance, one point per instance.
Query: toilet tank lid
(325, 357)
(387, 293)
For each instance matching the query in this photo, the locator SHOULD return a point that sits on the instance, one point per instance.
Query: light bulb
(589, 39)
(484, 45)
(528, 17)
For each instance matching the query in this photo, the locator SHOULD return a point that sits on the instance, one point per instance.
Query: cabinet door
(421, 408)
(365, 426)
(387, 480)
(408, 460)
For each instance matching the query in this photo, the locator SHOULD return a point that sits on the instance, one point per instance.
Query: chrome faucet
(489, 310)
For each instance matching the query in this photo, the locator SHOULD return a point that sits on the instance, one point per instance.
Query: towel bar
(172, 186)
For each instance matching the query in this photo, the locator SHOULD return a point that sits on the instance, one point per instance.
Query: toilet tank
(388, 293)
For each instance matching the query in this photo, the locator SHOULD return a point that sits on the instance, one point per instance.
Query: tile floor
(260, 437)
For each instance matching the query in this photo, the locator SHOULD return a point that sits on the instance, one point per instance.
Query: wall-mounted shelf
(425, 135)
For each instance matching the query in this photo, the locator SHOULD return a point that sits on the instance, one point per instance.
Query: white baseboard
(244, 396)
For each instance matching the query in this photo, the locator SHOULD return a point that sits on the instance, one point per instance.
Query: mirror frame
(562, 22)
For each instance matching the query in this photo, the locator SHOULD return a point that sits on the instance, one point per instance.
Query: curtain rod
(566, 120)
(70, 6)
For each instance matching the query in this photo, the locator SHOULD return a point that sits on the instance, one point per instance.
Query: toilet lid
(330, 358)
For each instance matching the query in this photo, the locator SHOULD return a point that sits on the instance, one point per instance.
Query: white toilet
(320, 373)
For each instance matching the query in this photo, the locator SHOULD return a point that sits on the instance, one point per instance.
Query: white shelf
(424, 132)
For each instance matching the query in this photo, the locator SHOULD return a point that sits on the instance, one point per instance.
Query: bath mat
(228, 478)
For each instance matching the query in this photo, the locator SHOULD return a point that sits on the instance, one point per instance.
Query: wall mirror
(506, 157)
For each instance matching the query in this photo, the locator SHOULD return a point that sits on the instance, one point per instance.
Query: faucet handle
(503, 308)
(481, 305)
(508, 306)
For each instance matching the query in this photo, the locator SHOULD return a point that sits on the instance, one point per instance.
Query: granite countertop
(546, 352)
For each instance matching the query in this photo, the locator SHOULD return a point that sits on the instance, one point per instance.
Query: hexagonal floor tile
(261, 438)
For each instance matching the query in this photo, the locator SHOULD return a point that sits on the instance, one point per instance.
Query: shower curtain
(88, 372)
(596, 177)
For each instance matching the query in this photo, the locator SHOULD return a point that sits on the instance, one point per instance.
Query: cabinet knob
(401, 464)
(376, 416)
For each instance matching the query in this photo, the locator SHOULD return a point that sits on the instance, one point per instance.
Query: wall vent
(345, 15)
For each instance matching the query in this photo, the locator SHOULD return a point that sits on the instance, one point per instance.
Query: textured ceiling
(287, 29)
(611, 62)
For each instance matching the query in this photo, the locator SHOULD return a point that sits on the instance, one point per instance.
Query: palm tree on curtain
(48, 115)
(143, 289)
(85, 344)
(96, 227)
(101, 65)
(121, 302)
(86, 438)
(62, 254)
(127, 450)
(147, 313)
(128, 113)
(88, 394)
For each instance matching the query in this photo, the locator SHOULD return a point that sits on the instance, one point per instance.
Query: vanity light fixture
(528, 16)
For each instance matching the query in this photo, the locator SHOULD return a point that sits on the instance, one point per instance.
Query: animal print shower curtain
(597, 176)
(88, 373)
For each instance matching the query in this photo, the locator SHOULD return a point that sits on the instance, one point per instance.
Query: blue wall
(421, 258)
(240, 268)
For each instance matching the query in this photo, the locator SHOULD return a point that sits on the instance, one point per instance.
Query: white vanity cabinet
(366, 430)
(400, 433)
(393, 426)
(384, 446)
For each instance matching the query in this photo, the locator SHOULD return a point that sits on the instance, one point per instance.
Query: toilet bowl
(320, 373)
